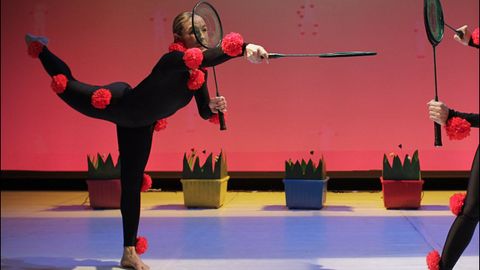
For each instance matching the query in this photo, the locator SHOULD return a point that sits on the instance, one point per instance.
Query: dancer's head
(183, 30)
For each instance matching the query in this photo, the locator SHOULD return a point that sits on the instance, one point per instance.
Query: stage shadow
(44, 263)
(328, 208)
(169, 207)
(337, 208)
(435, 207)
(68, 208)
(275, 208)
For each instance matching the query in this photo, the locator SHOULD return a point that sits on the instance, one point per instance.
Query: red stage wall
(352, 110)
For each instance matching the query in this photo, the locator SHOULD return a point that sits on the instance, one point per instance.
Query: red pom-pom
(59, 83)
(147, 182)
(101, 98)
(196, 80)
(141, 246)
(215, 118)
(433, 260)
(457, 128)
(232, 44)
(193, 58)
(35, 48)
(178, 46)
(456, 203)
(161, 124)
(475, 37)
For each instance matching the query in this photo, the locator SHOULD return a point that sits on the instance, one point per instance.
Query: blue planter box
(305, 193)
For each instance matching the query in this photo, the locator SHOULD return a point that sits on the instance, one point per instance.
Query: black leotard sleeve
(472, 118)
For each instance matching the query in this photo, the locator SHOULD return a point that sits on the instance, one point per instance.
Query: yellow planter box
(204, 193)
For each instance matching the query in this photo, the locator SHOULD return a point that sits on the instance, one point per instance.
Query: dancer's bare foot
(130, 259)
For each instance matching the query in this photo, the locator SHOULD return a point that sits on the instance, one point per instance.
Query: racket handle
(221, 117)
(438, 134)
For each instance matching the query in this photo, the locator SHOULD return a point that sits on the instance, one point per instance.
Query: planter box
(402, 194)
(204, 193)
(104, 193)
(305, 193)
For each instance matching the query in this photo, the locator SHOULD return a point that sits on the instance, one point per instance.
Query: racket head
(433, 19)
(207, 26)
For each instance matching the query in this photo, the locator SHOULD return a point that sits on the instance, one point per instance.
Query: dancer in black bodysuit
(177, 77)
(463, 228)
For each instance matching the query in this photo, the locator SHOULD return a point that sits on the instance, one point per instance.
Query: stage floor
(252, 231)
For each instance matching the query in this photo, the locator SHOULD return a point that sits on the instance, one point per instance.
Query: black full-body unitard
(463, 228)
(135, 111)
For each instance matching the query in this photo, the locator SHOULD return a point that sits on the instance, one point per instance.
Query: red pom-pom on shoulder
(101, 98)
(196, 80)
(160, 124)
(456, 203)
(433, 260)
(193, 58)
(178, 46)
(59, 83)
(146, 183)
(35, 48)
(457, 128)
(142, 245)
(475, 37)
(232, 44)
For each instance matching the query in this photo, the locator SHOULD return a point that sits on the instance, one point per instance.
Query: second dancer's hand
(218, 104)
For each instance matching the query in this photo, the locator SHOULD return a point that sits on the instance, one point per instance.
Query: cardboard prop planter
(204, 186)
(103, 182)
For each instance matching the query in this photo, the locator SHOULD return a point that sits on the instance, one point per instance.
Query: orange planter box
(402, 194)
(104, 194)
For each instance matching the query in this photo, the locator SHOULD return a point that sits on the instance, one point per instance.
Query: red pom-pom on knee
(433, 260)
(193, 58)
(146, 183)
(196, 80)
(457, 128)
(59, 83)
(456, 203)
(142, 245)
(232, 44)
(101, 98)
(35, 48)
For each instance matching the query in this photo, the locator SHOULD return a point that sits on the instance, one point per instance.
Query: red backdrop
(351, 110)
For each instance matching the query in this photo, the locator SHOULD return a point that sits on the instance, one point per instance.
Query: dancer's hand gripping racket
(434, 24)
(208, 31)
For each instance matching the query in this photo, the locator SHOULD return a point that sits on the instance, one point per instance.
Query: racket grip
(221, 117)
(438, 134)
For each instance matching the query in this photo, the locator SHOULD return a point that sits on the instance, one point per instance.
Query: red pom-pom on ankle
(35, 48)
(433, 260)
(196, 80)
(146, 183)
(457, 128)
(142, 245)
(232, 44)
(59, 83)
(160, 124)
(456, 203)
(101, 98)
(193, 58)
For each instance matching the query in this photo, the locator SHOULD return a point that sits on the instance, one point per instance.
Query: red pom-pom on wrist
(433, 260)
(215, 118)
(178, 46)
(101, 98)
(142, 245)
(196, 80)
(475, 37)
(59, 83)
(35, 48)
(232, 44)
(457, 128)
(193, 58)
(456, 203)
(146, 183)
(160, 124)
